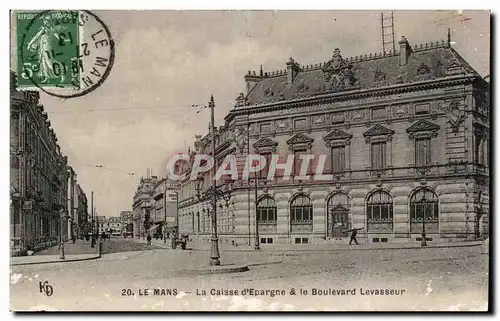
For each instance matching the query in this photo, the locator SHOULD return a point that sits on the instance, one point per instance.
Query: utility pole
(61, 229)
(257, 240)
(177, 213)
(387, 28)
(214, 251)
(165, 213)
(424, 241)
(92, 240)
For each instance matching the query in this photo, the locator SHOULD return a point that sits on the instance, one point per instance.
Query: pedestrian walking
(353, 237)
(354, 233)
(149, 239)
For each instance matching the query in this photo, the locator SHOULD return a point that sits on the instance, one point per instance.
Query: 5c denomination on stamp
(63, 53)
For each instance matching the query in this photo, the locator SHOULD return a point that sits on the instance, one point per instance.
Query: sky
(169, 60)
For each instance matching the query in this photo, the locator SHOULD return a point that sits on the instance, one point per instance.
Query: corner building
(405, 134)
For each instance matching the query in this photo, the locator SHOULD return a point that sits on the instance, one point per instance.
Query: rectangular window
(263, 172)
(305, 240)
(265, 128)
(262, 240)
(423, 152)
(297, 161)
(269, 240)
(378, 155)
(300, 123)
(338, 159)
(479, 153)
(297, 240)
(379, 113)
(422, 109)
(266, 215)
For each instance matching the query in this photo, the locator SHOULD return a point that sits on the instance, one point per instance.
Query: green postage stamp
(64, 53)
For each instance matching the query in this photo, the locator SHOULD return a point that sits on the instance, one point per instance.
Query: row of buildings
(109, 225)
(46, 200)
(154, 207)
(406, 136)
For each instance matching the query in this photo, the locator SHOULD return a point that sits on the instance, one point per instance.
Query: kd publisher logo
(46, 288)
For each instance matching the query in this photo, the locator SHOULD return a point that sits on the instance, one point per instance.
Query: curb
(216, 270)
(348, 249)
(353, 248)
(58, 261)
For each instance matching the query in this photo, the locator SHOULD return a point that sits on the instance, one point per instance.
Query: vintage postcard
(171, 160)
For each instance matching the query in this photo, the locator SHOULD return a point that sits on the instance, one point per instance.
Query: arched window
(338, 215)
(379, 211)
(424, 209)
(301, 214)
(266, 210)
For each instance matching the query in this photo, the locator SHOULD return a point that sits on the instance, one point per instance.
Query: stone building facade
(126, 218)
(142, 205)
(82, 226)
(164, 205)
(39, 176)
(405, 136)
(154, 205)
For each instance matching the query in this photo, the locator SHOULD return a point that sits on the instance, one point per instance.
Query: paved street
(113, 245)
(438, 279)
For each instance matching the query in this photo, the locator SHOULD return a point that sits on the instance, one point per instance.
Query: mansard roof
(425, 62)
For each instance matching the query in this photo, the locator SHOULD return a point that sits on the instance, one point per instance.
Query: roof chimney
(251, 79)
(292, 69)
(404, 51)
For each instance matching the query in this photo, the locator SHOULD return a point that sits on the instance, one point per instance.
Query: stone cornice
(353, 94)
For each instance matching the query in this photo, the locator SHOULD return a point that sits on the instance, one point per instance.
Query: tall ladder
(387, 29)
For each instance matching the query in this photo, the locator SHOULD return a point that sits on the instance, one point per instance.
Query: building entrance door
(340, 221)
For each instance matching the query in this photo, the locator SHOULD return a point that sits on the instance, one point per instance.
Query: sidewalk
(202, 246)
(42, 259)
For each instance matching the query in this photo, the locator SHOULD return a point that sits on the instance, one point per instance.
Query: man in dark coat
(353, 237)
(354, 232)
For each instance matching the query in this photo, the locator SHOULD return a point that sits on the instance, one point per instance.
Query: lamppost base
(214, 252)
(61, 253)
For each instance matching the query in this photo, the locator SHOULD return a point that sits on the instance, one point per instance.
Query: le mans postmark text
(63, 53)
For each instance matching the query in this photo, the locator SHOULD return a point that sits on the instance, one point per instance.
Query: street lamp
(214, 192)
(61, 238)
(92, 240)
(165, 214)
(257, 237)
(424, 202)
